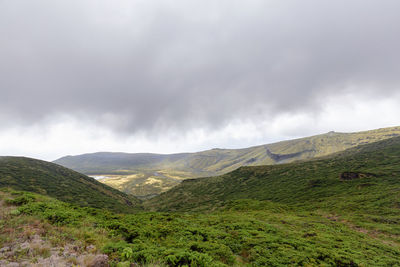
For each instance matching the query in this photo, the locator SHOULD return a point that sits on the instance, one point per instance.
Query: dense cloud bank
(145, 66)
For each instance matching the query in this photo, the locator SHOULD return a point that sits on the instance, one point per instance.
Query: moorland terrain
(340, 209)
(147, 175)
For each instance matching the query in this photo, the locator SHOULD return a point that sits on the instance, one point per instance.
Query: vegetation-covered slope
(53, 180)
(341, 210)
(149, 174)
(243, 233)
(31, 240)
(360, 182)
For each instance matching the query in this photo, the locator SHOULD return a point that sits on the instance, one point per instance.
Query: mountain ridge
(144, 174)
(364, 170)
(341, 209)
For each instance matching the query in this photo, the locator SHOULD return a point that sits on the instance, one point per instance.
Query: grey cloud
(150, 65)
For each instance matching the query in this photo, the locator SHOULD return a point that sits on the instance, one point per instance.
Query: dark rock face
(251, 160)
(349, 176)
(283, 157)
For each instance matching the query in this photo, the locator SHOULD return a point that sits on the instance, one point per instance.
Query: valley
(142, 184)
(134, 173)
(341, 209)
(153, 133)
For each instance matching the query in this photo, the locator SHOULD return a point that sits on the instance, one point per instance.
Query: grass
(312, 185)
(142, 184)
(340, 210)
(67, 185)
(216, 161)
(28, 238)
(243, 233)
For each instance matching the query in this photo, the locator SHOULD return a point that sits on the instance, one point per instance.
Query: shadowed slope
(53, 180)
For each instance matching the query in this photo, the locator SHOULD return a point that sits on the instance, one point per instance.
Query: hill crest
(145, 174)
(21, 173)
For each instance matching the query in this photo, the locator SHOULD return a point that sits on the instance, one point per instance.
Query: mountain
(56, 181)
(366, 177)
(339, 210)
(358, 188)
(151, 174)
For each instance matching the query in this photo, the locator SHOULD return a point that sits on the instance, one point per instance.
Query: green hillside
(53, 180)
(151, 174)
(340, 210)
(361, 184)
(37, 229)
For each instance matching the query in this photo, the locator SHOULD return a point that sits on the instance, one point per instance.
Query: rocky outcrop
(281, 158)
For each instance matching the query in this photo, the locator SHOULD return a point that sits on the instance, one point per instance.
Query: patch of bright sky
(69, 136)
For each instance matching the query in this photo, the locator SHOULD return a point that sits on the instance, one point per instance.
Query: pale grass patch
(40, 250)
(153, 181)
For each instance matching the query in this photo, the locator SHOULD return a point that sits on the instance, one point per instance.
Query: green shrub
(114, 247)
(217, 251)
(127, 253)
(188, 258)
(57, 217)
(34, 208)
(21, 200)
(123, 264)
(15, 212)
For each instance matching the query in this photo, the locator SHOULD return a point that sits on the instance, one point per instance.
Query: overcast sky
(80, 76)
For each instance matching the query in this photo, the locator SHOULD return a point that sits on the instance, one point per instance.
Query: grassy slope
(243, 233)
(372, 202)
(64, 184)
(213, 162)
(144, 183)
(299, 214)
(223, 160)
(31, 240)
(116, 163)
